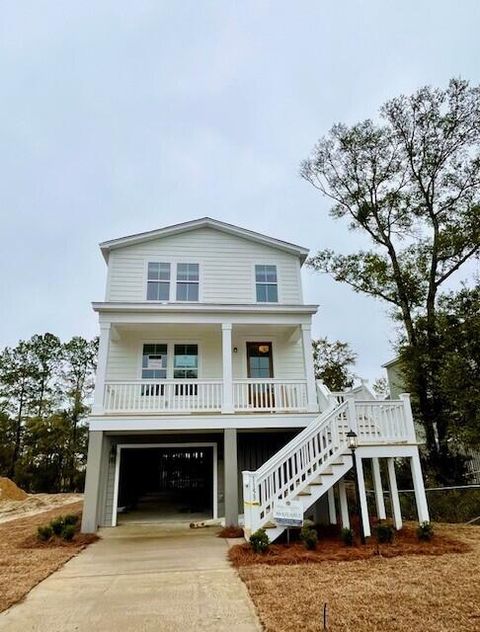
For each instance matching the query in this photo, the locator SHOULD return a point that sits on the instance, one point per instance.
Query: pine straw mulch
(24, 561)
(433, 589)
(331, 548)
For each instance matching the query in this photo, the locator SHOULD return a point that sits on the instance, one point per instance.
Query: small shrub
(57, 525)
(44, 533)
(68, 532)
(384, 533)
(309, 537)
(70, 519)
(347, 536)
(425, 531)
(259, 541)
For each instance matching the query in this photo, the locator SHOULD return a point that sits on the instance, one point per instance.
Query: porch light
(352, 440)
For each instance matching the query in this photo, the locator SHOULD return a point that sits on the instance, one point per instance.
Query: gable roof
(203, 222)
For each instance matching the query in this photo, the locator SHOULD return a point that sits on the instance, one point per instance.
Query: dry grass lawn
(439, 592)
(23, 562)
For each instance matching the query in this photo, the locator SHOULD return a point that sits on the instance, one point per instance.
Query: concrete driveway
(140, 578)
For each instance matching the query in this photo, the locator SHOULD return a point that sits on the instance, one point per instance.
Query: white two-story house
(205, 371)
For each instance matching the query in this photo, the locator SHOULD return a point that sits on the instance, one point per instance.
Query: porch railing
(270, 395)
(163, 396)
(185, 396)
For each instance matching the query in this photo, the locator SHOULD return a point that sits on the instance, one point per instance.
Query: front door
(260, 368)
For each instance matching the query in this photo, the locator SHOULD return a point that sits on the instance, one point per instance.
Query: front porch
(210, 368)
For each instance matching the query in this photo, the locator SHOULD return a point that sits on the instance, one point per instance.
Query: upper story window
(187, 282)
(170, 282)
(158, 281)
(266, 283)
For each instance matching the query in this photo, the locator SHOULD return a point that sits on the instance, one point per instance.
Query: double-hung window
(158, 281)
(185, 367)
(187, 282)
(154, 367)
(266, 283)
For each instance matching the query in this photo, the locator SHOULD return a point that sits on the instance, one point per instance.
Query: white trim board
(148, 423)
(144, 446)
(204, 222)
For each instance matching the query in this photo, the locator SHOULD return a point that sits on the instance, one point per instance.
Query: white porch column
(312, 403)
(363, 498)
(419, 487)
(332, 512)
(227, 406)
(377, 486)
(395, 500)
(342, 493)
(103, 349)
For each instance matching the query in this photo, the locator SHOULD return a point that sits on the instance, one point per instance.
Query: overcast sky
(120, 117)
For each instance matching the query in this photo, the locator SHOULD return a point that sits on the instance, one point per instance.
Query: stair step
(317, 481)
(270, 525)
(305, 492)
(327, 473)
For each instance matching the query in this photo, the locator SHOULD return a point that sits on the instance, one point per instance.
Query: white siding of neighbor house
(226, 267)
(124, 358)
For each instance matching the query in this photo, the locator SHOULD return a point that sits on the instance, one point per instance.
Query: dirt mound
(10, 491)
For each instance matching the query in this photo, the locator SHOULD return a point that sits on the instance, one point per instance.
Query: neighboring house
(205, 371)
(396, 384)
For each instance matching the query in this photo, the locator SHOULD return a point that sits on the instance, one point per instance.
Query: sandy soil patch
(11, 509)
(24, 562)
(436, 593)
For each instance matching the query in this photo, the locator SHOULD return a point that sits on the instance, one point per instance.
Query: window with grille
(266, 282)
(158, 281)
(187, 282)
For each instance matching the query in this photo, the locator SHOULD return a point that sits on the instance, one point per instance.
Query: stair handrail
(306, 434)
(314, 448)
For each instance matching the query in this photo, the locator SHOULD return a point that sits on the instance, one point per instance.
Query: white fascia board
(234, 317)
(204, 222)
(390, 363)
(202, 308)
(196, 423)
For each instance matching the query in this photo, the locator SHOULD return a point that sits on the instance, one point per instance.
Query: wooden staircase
(318, 458)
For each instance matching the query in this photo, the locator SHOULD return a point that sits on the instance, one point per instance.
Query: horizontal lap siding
(124, 357)
(288, 361)
(226, 264)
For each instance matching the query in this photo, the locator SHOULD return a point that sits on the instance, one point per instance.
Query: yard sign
(288, 513)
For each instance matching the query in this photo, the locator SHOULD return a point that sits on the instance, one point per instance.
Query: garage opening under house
(205, 400)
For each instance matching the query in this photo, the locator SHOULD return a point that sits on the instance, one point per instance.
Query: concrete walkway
(140, 578)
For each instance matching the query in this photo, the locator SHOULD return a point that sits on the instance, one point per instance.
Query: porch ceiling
(154, 330)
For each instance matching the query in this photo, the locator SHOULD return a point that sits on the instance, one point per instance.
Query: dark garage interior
(165, 483)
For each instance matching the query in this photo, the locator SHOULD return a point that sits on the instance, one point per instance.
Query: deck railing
(192, 396)
(270, 395)
(163, 396)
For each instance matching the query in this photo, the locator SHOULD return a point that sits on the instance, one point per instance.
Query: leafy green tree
(458, 363)
(18, 378)
(77, 375)
(45, 389)
(332, 362)
(411, 184)
(47, 353)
